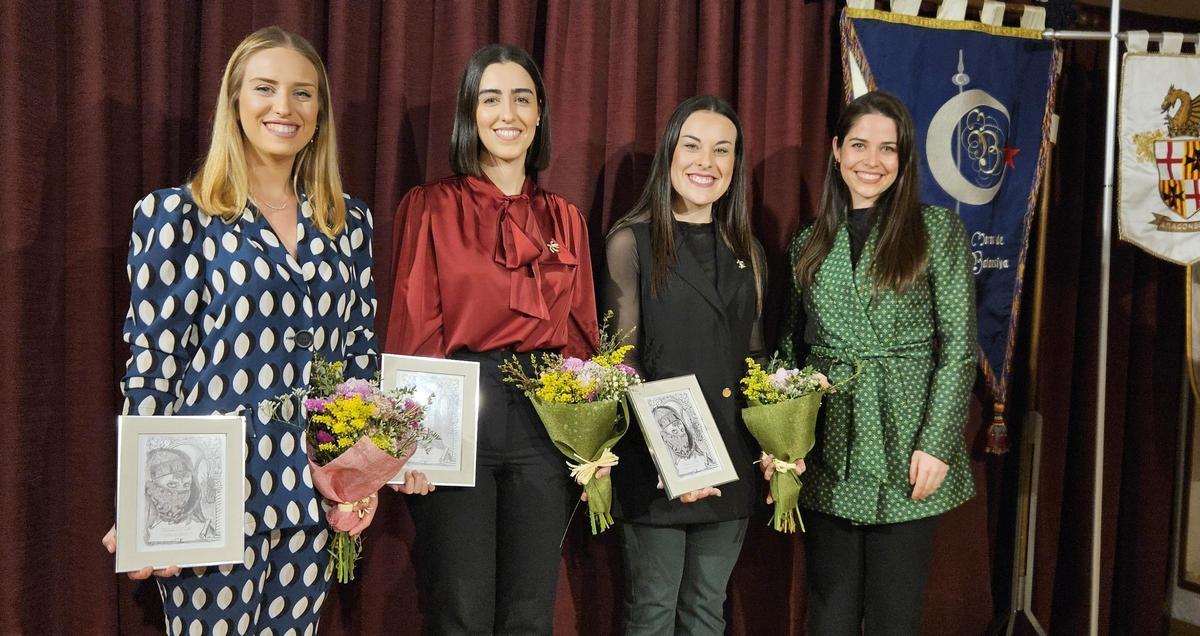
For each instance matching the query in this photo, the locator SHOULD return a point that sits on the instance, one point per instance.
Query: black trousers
(866, 579)
(487, 557)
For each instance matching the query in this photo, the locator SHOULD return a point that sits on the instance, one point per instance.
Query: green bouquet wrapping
(586, 433)
(787, 430)
(782, 417)
(577, 402)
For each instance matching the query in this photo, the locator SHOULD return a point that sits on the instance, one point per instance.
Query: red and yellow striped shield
(1178, 162)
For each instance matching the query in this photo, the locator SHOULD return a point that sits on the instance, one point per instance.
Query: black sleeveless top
(704, 321)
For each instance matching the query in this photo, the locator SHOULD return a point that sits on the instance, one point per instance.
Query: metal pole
(1051, 34)
(1110, 134)
(1021, 604)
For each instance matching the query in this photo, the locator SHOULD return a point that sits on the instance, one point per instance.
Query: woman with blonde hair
(238, 279)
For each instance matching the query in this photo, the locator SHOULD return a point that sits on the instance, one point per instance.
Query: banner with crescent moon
(1159, 175)
(981, 98)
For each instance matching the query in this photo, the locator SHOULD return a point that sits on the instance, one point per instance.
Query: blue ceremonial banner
(981, 98)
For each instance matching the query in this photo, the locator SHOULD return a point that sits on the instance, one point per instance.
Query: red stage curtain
(105, 101)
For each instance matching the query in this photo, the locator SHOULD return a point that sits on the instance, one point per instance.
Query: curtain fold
(105, 101)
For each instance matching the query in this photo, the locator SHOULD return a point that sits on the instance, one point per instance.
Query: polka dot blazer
(221, 317)
(915, 356)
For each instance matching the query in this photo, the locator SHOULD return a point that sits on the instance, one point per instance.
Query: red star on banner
(1009, 154)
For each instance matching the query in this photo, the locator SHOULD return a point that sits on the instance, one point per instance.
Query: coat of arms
(1159, 121)
(1178, 162)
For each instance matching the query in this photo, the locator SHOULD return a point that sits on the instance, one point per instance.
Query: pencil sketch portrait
(443, 395)
(183, 485)
(682, 433)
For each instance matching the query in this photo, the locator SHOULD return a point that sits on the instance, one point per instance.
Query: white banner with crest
(1159, 205)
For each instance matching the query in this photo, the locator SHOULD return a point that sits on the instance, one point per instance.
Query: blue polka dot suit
(221, 317)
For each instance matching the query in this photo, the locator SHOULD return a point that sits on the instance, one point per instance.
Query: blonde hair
(221, 186)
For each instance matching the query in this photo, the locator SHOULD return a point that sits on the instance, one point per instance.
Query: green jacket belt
(863, 374)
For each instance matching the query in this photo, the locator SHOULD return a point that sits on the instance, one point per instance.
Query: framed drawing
(682, 436)
(180, 498)
(451, 389)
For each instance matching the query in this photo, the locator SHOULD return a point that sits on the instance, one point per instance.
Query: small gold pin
(553, 245)
(741, 264)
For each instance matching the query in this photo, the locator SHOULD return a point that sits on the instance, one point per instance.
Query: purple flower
(591, 372)
(780, 378)
(315, 405)
(573, 364)
(355, 386)
(626, 369)
(323, 437)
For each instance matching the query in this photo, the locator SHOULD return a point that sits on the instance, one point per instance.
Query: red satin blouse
(481, 270)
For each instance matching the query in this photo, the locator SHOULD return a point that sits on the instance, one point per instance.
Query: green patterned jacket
(907, 396)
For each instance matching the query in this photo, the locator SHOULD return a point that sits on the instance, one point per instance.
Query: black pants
(866, 579)
(487, 557)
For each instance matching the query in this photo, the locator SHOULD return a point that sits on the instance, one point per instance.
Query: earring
(837, 165)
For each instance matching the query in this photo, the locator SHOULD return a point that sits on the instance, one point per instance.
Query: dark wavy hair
(730, 212)
(464, 140)
(902, 251)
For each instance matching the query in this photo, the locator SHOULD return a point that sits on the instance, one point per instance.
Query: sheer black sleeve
(620, 293)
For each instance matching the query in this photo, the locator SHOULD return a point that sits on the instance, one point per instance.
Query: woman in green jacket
(882, 288)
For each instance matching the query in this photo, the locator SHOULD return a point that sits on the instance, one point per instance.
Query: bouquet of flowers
(359, 437)
(782, 416)
(577, 402)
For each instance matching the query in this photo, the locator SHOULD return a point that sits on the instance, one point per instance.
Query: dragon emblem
(1182, 120)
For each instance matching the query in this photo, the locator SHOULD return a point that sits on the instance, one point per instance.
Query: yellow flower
(562, 388)
(346, 417)
(382, 441)
(613, 358)
(757, 385)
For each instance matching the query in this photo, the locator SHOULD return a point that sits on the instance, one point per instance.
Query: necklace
(270, 205)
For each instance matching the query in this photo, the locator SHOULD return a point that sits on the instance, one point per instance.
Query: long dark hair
(729, 212)
(464, 140)
(901, 254)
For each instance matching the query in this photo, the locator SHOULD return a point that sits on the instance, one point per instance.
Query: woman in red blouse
(488, 264)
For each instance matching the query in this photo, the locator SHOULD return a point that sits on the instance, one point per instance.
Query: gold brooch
(553, 245)
(741, 264)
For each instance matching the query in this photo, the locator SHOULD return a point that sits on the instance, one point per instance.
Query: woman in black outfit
(684, 269)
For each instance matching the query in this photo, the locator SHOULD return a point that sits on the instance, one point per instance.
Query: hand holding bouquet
(782, 416)
(577, 402)
(359, 437)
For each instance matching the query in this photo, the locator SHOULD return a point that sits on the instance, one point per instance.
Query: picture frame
(1188, 533)
(451, 388)
(180, 491)
(681, 434)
